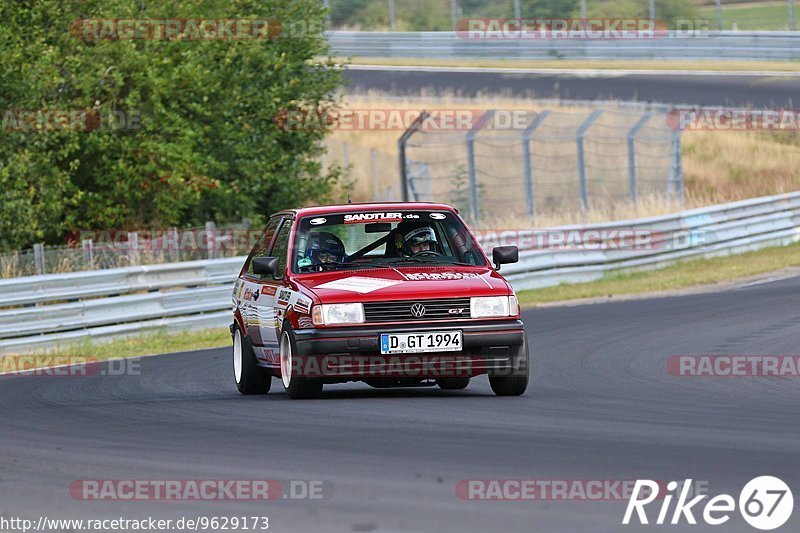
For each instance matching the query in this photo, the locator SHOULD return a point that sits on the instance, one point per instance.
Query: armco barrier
(712, 45)
(39, 311)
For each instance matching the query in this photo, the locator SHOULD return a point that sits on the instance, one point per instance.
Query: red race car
(395, 294)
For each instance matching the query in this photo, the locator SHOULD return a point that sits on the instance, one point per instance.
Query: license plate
(434, 341)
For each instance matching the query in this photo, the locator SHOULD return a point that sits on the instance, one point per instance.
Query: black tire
(514, 381)
(452, 383)
(298, 388)
(249, 377)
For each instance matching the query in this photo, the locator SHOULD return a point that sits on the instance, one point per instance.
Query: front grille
(442, 308)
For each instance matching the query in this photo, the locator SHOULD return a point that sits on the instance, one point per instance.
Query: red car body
(275, 314)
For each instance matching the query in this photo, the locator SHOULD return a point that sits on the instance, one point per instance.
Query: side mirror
(265, 266)
(502, 255)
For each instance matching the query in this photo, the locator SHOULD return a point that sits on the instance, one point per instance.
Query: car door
(275, 294)
(250, 289)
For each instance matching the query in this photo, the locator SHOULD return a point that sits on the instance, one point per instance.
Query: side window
(261, 248)
(281, 247)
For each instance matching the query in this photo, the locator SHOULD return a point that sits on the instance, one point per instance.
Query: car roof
(366, 207)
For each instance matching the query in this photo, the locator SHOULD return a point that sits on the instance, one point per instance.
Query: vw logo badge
(418, 310)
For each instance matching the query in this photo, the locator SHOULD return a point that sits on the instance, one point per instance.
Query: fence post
(632, 155)
(401, 153)
(791, 15)
(373, 158)
(133, 248)
(392, 18)
(38, 258)
(581, 158)
(211, 234)
(530, 205)
(474, 202)
(346, 154)
(87, 247)
(675, 183)
(517, 10)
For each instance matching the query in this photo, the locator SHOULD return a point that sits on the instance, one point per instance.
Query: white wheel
(237, 357)
(249, 378)
(296, 386)
(286, 360)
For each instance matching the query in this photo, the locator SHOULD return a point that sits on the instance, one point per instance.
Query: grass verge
(683, 275)
(573, 64)
(750, 16)
(159, 342)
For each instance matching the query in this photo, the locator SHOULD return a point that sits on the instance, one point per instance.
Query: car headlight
(492, 306)
(329, 314)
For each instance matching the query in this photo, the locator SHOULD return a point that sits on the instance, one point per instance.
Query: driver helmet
(325, 247)
(412, 240)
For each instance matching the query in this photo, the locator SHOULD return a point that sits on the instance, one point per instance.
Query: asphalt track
(602, 407)
(668, 88)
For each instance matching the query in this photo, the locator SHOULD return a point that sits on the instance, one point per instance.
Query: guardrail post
(791, 15)
(632, 155)
(38, 258)
(401, 153)
(581, 158)
(530, 204)
(474, 202)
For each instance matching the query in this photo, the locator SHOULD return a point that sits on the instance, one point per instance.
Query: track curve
(602, 406)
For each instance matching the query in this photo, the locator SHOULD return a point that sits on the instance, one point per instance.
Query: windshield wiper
(432, 261)
(346, 266)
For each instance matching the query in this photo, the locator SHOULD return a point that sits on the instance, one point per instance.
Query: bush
(201, 142)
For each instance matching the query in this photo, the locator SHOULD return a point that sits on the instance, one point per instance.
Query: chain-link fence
(370, 174)
(102, 249)
(547, 162)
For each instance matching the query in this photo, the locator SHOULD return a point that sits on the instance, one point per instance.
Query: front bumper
(354, 351)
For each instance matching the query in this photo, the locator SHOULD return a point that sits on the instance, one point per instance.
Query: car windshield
(356, 240)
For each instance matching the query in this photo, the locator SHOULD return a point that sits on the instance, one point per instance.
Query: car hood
(402, 283)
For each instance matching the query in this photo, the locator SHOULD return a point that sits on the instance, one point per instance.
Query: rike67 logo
(765, 503)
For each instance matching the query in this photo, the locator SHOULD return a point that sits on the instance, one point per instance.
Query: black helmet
(413, 235)
(325, 247)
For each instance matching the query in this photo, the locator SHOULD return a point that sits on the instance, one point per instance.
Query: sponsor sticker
(361, 218)
(317, 221)
(438, 276)
(359, 284)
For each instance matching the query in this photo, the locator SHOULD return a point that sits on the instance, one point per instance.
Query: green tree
(199, 139)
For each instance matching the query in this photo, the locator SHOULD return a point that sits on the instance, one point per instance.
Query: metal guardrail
(39, 311)
(713, 45)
